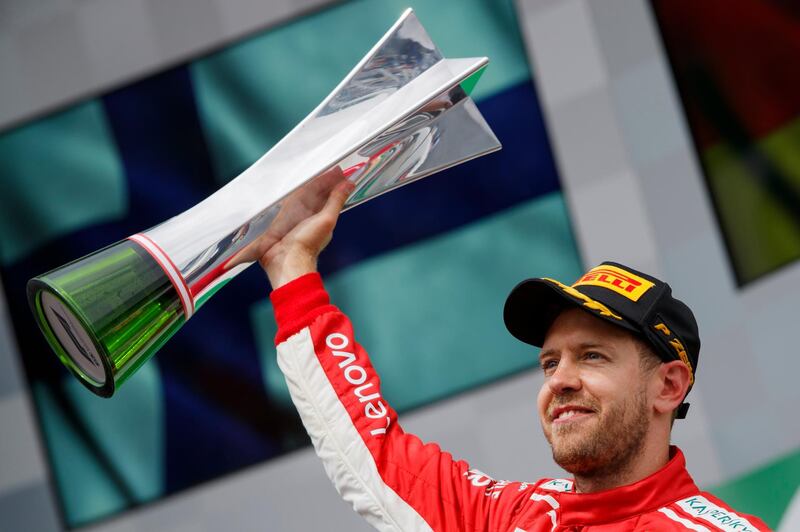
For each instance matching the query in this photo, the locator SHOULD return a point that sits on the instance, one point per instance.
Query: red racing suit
(397, 482)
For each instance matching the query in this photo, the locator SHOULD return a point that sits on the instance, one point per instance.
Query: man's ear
(671, 386)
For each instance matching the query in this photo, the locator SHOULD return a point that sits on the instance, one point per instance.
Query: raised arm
(391, 478)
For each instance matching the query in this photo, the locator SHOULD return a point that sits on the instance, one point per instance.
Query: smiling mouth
(569, 414)
(564, 414)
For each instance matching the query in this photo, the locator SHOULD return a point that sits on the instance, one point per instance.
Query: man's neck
(647, 462)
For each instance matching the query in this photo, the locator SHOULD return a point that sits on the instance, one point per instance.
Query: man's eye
(593, 355)
(549, 364)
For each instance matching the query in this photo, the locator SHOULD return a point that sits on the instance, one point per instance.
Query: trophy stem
(107, 313)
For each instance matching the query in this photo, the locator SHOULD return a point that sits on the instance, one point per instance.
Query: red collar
(667, 485)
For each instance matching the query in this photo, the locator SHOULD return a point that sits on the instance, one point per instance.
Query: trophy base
(107, 313)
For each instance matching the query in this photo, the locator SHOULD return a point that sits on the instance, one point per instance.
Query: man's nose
(565, 379)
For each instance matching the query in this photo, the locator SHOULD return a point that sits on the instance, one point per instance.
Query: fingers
(338, 198)
(251, 252)
(312, 229)
(327, 180)
(310, 197)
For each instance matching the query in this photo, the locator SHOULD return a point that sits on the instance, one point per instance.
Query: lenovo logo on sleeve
(366, 392)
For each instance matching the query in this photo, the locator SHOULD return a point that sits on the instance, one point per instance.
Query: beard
(604, 446)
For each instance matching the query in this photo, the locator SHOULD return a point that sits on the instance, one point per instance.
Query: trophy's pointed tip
(408, 13)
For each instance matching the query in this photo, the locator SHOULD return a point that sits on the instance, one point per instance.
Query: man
(619, 355)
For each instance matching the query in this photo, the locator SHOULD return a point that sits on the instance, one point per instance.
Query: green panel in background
(430, 315)
(765, 492)
(251, 94)
(129, 430)
(76, 146)
(762, 233)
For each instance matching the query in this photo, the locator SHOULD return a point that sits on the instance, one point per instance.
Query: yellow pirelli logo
(620, 281)
(588, 302)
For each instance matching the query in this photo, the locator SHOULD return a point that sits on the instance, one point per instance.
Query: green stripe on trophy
(468, 85)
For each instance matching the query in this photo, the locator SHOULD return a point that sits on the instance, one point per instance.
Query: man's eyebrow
(582, 346)
(547, 353)
(591, 345)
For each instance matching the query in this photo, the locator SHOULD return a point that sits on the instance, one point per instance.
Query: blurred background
(664, 134)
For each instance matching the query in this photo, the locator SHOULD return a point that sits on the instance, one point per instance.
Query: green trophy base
(107, 313)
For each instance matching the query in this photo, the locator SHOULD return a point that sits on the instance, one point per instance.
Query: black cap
(620, 295)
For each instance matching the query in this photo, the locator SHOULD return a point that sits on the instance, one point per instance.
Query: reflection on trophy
(401, 114)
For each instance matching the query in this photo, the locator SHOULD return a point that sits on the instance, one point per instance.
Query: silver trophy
(401, 114)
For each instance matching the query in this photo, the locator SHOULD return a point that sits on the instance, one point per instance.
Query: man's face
(593, 405)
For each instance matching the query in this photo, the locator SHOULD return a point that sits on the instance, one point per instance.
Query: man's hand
(296, 252)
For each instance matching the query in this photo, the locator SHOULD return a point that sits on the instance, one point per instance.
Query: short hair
(648, 359)
(648, 362)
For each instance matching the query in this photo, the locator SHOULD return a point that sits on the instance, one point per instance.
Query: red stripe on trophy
(173, 273)
(200, 284)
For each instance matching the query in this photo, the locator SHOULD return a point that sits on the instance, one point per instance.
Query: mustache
(573, 400)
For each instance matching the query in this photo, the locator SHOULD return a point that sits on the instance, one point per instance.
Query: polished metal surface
(400, 115)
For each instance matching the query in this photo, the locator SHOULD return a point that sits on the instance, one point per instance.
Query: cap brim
(534, 304)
